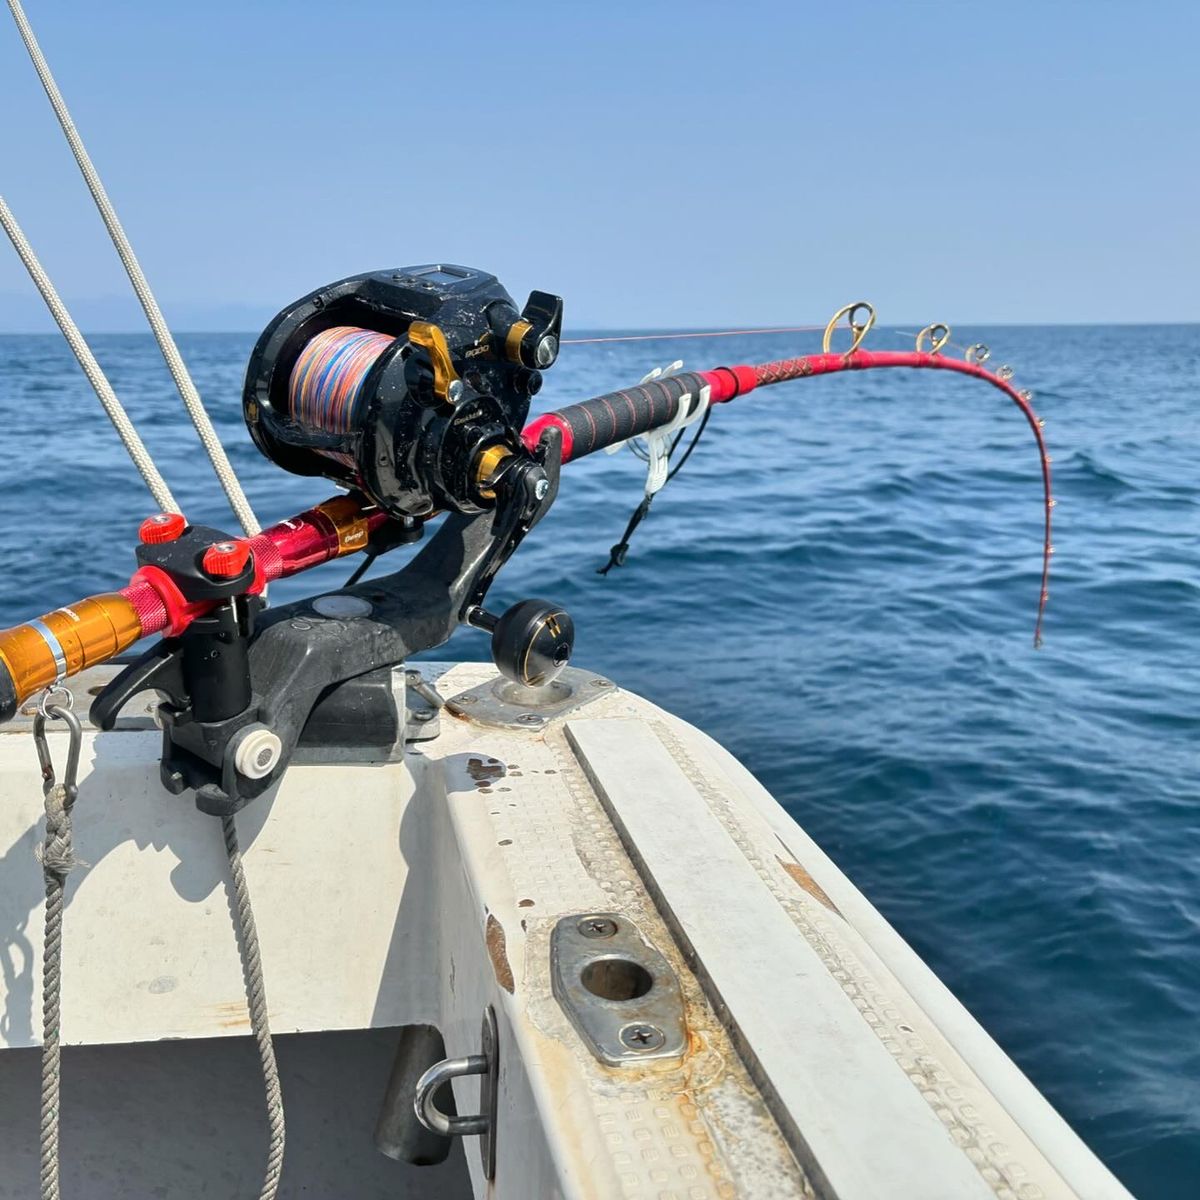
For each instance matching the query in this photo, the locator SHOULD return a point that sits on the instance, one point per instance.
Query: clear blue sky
(658, 164)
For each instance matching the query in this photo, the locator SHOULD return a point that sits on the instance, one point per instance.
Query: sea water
(841, 587)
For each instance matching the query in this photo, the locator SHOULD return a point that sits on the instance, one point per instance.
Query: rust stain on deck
(807, 882)
(498, 953)
(485, 771)
(232, 1014)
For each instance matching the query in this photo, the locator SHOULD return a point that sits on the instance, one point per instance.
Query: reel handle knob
(544, 312)
(531, 643)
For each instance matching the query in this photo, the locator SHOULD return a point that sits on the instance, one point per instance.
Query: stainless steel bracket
(620, 993)
(500, 703)
(422, 707)
(482, 1124)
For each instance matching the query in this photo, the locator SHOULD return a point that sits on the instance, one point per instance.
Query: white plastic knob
(257, 753)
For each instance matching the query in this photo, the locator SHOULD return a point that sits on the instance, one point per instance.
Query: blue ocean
(841, 587)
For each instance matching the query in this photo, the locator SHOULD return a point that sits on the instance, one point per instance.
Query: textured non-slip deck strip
(852, 1117)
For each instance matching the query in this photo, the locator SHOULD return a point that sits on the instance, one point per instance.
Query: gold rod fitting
(67, 641)
(348, 521)
(486, 466)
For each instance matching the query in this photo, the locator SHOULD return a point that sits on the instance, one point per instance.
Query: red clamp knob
(226, 560)
(162, 527)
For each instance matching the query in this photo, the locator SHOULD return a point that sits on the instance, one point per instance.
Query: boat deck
(806, 1049)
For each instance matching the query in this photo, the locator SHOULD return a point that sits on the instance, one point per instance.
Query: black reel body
(398, 383)
(410, 387)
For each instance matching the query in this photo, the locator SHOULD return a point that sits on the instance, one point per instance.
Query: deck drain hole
(616, 979)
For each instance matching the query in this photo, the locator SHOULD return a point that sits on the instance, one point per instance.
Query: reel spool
(410, 386)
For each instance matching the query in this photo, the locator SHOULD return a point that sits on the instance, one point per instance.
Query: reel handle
(531, 642)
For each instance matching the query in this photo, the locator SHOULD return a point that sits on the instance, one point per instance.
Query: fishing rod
(410, 389)
(185, 572)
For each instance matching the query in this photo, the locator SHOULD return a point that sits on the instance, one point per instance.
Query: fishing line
(325, 391)
(664, 337)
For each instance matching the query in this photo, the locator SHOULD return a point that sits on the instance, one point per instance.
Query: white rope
(166, 343)
(240, 897)
(256, 996)
(91, 368)
(57, 861)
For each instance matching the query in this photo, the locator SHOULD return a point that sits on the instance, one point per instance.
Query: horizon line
(650, 333)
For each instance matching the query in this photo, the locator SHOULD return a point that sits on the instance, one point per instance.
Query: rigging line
(256, 996)
(666, 337)
(166, 343)
(91, 368)
(57, 856)
(616, 556)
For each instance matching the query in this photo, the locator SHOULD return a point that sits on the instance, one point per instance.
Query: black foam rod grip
(616, 416)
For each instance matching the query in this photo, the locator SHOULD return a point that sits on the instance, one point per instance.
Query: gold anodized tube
(349, 523)
(67, 640)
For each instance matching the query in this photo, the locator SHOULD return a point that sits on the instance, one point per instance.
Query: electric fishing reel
(410, 386)
(410, 389)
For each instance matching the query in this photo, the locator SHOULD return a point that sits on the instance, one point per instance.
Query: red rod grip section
(177, 613)
(726, 382)
(316, 536)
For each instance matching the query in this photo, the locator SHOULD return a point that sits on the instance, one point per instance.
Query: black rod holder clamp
(241, 686)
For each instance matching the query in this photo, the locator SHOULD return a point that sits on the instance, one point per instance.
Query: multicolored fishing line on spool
(325, 388)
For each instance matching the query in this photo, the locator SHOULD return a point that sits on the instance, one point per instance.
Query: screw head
(454, 393)
(541, 488)
(642, 1037)
(531, 719)
(547, 350)
(422, 715)
(597, 927)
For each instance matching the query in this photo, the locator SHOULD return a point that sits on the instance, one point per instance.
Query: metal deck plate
(506, 705)
(618, 990)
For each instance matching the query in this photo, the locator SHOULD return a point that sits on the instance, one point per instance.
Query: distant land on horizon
(26, 314)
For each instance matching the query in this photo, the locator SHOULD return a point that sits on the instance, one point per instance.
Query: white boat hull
(822, 1057)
